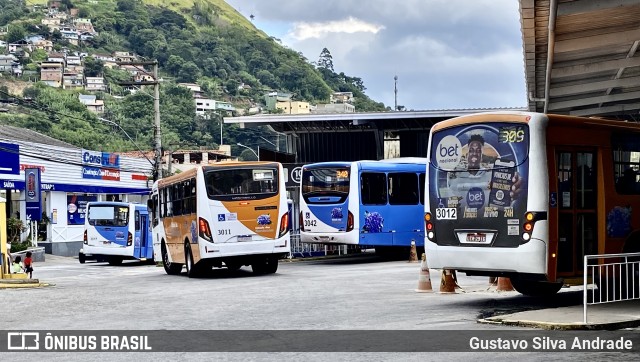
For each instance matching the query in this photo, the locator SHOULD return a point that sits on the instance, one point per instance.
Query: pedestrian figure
(28, 264)
(17, 268)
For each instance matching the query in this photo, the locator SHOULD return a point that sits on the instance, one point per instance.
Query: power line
(46, 109)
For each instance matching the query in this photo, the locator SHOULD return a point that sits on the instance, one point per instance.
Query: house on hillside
(205, 105)
(341, 97)
(195, 89)
(95, 84)
(46, 45)
(334, 108)
(51, 73)
(83, 25)
(107, 59)
(56, 58)
(72, 80)
(9, 65)
(294, 107)
(20, 47)
(124, 56)
(94, 105)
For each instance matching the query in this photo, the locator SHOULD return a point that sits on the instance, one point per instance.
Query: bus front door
(577, 210)
(146, 249)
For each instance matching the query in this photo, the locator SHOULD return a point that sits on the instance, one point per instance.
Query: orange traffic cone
(413, 255)
(424, 279)
(447, 284)
(504, 285)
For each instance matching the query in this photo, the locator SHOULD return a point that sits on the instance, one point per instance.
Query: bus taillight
(349, 221)
(204, 230)
(301, 222)
(284, 224)
(428, 225)
(85, 240)
(129, 239)
(530, 218)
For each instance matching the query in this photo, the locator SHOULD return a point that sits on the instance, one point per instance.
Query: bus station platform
(609, 316)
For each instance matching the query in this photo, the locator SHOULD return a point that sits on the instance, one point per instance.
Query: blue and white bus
(115, 231)
(366, 203)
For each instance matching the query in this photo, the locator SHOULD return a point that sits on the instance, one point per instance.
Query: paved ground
(360, 293)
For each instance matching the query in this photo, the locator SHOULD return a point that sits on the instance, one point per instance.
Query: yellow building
(293, 107)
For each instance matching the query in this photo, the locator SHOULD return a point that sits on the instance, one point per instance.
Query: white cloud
(304, 30)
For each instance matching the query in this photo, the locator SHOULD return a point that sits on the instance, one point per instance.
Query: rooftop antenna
(395, 91)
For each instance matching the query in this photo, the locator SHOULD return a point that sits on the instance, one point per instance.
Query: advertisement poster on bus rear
(479, 171)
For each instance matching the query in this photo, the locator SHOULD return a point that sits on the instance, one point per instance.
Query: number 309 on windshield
(446, 213)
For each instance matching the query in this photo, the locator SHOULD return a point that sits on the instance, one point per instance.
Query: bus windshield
(108, 215)
(237, 183)
(476, 169)
(330, 181)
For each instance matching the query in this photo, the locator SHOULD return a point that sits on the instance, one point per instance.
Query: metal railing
(302, 250)
(616, 277)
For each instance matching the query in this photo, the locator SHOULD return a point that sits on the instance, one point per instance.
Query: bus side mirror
(150, 204)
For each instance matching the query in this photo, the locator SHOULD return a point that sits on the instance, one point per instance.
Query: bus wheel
(188, 259)
(115, 260)
(268, 265)
(81, 258)
(533, 288)
(169, 267)
(232, 265)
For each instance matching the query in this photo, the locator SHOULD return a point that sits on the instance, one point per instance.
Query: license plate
(244, 238)
(476, 238)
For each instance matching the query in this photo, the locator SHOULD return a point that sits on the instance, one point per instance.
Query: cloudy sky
(447, 54)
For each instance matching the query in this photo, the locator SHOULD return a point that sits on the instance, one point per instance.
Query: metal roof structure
(581, 57)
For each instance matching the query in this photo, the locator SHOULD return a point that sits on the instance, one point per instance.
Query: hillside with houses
(88, 50)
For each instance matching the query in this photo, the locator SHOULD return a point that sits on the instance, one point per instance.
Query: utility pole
(157, 135)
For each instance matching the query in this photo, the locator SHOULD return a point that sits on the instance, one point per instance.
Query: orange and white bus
(527, 195)
(232, 213)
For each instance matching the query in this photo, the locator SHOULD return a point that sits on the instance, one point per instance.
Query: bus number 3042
(446, 213)
(310, 223)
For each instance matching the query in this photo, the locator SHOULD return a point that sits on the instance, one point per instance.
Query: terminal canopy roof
(581, 57)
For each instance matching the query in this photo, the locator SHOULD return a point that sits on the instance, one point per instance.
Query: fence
(616, 277)
(303, 250)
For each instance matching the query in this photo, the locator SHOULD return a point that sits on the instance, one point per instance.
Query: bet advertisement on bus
(479, 172)
(100, 165)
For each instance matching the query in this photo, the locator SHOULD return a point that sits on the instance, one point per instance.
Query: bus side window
(373, 188)
(137, 220)
(403, 188)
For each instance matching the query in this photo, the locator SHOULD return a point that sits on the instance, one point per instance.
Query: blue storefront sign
(9, 159)
(100, 165)
(32, 190)
(77, 208)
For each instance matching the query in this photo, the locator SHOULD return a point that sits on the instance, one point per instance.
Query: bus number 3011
(446, 213)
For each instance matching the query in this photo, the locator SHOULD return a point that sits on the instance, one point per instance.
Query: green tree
(38, 56)
(326, 60)
(15, 33)
(93, 67)
(189, 72)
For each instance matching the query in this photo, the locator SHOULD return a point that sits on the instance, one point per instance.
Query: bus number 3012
(446, 213)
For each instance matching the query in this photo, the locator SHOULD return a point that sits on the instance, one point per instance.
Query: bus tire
(233, 266)
(81, 258)
(192, 270)
(115, 260)
(267, 265)
(272, 265)
(169, 267)
(534, 288)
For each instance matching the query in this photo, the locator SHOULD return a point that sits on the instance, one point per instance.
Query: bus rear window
(249, 182)
(108, 215)
(325, 181)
